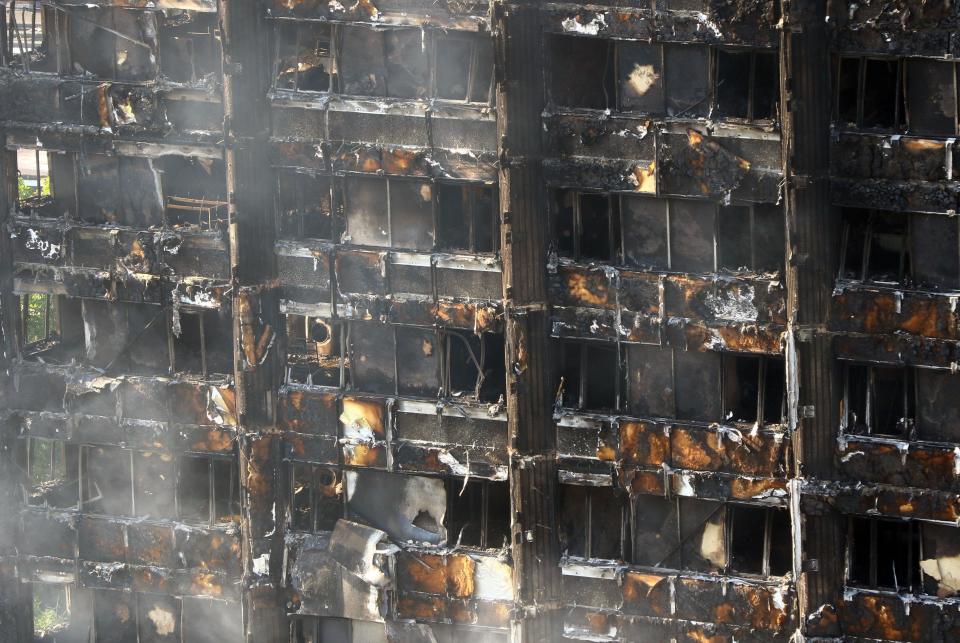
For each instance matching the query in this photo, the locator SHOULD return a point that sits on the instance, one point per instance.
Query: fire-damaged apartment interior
(479, 321)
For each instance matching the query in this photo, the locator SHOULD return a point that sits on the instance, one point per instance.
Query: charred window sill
(613, 569)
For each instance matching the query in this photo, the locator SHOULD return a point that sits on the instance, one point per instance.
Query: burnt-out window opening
(876, 246)
(304, 206)
(304, 56)
(587, 225)
(52, 609)
(478, 513)
(203, 345)
(464, 67)
(106, 480)
(750, 237)
(879, 400)
(760, 540)
(33, 178)
(194, 190)
(869, 92)
(316, 501)
(207, 489)
(747, 84)
(589, 375)
(314, 351)
(318, 629)
(468, 218)
(189, 46)
(113, 44)
(39, 320)
(389, 212)
(29, 36)
(582, 72)
(931, 96)
(884, 554)
(407, 63)
(49, 327)
(473, 365)
(52, 473)
(753, 389)
(594, 523)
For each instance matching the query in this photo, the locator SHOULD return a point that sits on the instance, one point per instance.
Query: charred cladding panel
(416, 320)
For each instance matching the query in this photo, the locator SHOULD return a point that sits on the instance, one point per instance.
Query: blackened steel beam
(533, 467)
(812, 239)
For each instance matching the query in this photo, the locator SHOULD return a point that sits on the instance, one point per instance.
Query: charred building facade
(456, 320)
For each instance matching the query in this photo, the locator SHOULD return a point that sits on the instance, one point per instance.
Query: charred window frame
(590, 375)
(304, 205)
(315, 350)
(478, 513)
(884, 554)
(595, 523)
(876, 246)
(880, 400)
(754, 389)
(29, 36)
(106, 480)
(455, 66)
(189, 48)
(869, 92)
(193, 191)
(201, 346)
(52, 472)
(207, 489)
(317, 629)
(587, 225)
(683, 235)
(315, 500)
(303, 55)
(467, 218)
(54, 607)
(34, 182)
(773, 557)
(746, 84)
(472, 365)
(39, 321)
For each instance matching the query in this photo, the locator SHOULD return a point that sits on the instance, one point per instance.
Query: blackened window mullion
(751, 91)
(861, 83)
(584, 372)
(873, 553)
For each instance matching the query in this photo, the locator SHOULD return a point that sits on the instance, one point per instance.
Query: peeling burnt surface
(435, 320)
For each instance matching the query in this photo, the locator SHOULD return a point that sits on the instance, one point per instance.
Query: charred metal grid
(455, 320)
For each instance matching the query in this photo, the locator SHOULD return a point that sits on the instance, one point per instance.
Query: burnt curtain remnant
(461, 321)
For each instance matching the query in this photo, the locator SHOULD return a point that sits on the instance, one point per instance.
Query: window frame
(910, 383)
(455, 488)
(233, 500)
(314, 476)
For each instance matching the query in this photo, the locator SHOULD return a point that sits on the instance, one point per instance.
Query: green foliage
(45, 617)
(37, 316)
(25, 191)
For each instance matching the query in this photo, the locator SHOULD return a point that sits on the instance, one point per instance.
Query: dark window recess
(589, 375)
(760, 540)
(473, 365)
(315, 497)
(464, 67)
(868, 92)
(52, 473)
(320, 629)
(203, 345)
(30, 40)
(931, 97)
(938, 415)
(751, 237)
(880, 400)
(875, 246)
(478, 513)
(753, 389)
(747, 84)
(594, 523)
(468, 218)
(113, 44)
(207, 489)
(50, 327)
(392, 63)
(389, 212)
(107, 482)
(194, 191)
(645, 232)
(189, 47)
(304, 58)
(884, 554)
(304, 206)
(692, 235)
(935, 251)
(582, 72)
(640, 82)
(314, 351)
(586, 225)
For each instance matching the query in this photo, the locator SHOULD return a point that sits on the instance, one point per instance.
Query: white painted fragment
(592, 28)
